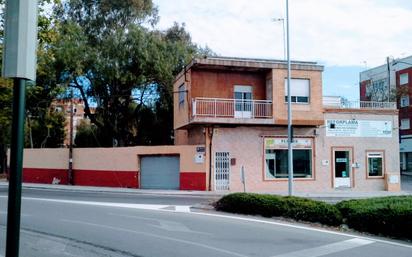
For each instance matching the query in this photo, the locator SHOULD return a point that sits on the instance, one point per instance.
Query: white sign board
(20, 39)
(280, 143)
(358, 128)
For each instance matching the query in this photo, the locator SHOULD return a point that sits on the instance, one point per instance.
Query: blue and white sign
(358, 128)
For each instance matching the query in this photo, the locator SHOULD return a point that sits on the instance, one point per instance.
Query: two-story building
(237, 109)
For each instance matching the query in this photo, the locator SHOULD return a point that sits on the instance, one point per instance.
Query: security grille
(222, 170)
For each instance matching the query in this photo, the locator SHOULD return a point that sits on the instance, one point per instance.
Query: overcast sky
(344, 35)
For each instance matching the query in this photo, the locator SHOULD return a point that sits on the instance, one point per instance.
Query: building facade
(64, 106)
(374, 87)
(237, 109)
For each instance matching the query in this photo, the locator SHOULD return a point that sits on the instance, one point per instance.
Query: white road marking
(177, 208)
(328, 249)
(182, 208)
(156, 236)
(303, 227)
(23, 215)
(156, 207)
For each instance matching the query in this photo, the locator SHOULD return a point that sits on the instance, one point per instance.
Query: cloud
(334, 32)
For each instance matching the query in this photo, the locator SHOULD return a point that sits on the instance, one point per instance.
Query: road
(59, 223)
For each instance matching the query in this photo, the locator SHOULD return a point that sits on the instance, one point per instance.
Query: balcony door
(243, 101)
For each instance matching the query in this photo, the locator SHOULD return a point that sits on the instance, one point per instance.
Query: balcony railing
(232, 108)
(360, 105)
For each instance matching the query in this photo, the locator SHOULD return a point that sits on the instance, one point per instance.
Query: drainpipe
(210, 135)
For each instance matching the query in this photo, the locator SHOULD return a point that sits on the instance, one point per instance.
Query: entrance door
(222, 171)
(243, 102)
(342, 167)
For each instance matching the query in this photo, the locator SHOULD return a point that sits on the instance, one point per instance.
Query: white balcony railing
(343, 104)
(231, 108)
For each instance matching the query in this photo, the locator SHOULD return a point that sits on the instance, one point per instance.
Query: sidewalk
(118, 190)
(329, 196)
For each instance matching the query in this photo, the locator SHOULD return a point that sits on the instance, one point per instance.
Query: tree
(111, 54)
(86, 135)
(39, 94)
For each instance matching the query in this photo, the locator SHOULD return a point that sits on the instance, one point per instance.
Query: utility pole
(290, 136)
(19, 63)
(70, 175)
(389, 77)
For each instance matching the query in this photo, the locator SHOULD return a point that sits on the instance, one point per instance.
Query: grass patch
(274, 206)
(389, 216)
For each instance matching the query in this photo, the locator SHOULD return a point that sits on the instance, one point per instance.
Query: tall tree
(39, 94)
(109, 51)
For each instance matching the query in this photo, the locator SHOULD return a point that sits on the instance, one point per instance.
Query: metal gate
(222, 170)
(160, 172)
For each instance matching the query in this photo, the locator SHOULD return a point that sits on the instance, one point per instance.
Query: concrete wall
(246, 145)
(115, 167)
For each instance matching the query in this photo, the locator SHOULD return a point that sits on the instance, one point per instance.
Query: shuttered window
(300, 90)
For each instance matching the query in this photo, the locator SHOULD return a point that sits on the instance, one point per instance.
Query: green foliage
(86, 135)
(390, 216)
(271, 205)
(110, 52)
(40, 95)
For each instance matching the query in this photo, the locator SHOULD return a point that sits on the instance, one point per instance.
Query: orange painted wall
(220, 84)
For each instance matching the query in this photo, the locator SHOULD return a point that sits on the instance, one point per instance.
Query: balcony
(220, 110)
(338, 103)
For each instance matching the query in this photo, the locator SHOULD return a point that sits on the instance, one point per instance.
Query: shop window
(404, 101)
(276, 159)
(300, 90)
(403, 79)
(375, 164)
(405, 124)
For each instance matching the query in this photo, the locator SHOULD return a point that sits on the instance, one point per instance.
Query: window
(404, 101)
(182, 92)
(299, 88)
(403, 79)
(276, 158)
(375, 164)
(405, 124)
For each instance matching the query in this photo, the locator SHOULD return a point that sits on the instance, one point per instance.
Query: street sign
(19, 63)
(20, 39)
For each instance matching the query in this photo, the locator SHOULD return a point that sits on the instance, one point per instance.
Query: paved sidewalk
(329, 196)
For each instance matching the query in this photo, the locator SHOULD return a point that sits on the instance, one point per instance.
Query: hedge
(390, 216)
(271, 205)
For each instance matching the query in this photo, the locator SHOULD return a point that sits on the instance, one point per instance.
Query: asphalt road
(100, 224)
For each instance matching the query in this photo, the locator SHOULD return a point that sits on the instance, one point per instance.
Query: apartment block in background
(374, 86)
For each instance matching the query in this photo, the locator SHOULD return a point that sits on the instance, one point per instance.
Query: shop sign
(358, 128)
(276, 143)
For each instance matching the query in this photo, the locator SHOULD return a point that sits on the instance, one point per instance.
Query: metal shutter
(160, 172)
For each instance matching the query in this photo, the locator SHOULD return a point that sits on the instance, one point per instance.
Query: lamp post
(290, 136)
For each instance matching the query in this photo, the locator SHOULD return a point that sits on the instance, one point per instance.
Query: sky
(346, 36)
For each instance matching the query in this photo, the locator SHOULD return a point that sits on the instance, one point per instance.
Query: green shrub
(271, 205)
(390, 216)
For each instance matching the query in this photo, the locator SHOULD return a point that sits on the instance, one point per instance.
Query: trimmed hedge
(390, 216)
(271, 205)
